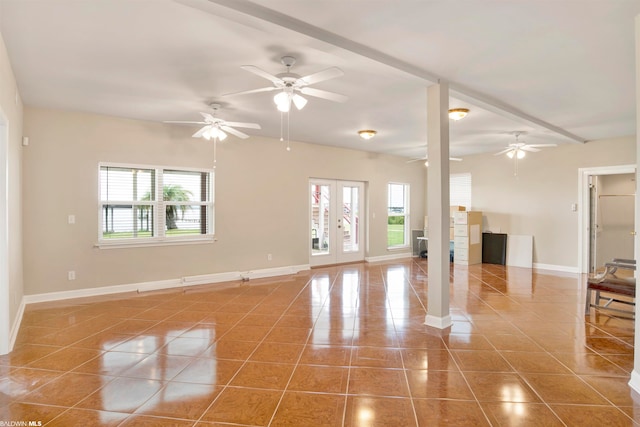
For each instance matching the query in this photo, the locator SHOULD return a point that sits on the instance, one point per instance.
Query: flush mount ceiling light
(367, 133)
(458, 113)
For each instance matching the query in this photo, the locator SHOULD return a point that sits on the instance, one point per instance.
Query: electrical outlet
(71, 219)
(269, 257)
(71, 275)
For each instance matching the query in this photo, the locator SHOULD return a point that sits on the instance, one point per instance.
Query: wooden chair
(618, 288)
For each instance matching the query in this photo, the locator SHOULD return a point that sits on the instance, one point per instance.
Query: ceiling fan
(289, 84)
(215, 128)
(519, 149)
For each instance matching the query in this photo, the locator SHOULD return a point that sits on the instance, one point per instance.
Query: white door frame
(336, 254)
(584, 208)
(4, 236)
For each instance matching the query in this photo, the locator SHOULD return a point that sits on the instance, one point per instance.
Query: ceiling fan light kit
(284, 99)
(367, 134)
(517, 153)
(214, 133)
(458, 113)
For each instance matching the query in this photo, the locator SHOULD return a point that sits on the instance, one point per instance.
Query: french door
(336, 221)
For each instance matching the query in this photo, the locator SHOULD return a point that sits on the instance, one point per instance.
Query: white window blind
(151, 204)
(460, 190)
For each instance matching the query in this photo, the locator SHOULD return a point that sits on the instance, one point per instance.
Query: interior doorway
(336, 213)
(607, 215)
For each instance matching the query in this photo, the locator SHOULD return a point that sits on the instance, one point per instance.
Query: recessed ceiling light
(458, 113)
(367, 133)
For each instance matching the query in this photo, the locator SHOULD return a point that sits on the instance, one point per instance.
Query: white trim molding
(438, 322)
(162, 284)
(634, 382)
(16, 325)
(392, 257)
(553, 267)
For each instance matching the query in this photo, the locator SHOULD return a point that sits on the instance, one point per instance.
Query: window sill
(398, 248)
(106, 244)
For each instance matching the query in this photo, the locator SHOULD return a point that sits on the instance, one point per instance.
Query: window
(460, 190)
(398, 216)
(151, 205)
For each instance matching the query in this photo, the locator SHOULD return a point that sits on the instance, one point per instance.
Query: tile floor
(334, 346)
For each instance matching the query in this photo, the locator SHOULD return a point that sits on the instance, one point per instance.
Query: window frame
(406, 215)
(159, 237)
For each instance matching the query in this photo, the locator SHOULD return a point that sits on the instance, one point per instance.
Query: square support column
(634, 382)
(438, 205)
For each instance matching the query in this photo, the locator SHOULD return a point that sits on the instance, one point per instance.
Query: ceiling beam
(459, 91)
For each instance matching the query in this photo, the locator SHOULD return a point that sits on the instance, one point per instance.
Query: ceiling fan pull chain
(281, 136)
(215, 149)
(288, 134)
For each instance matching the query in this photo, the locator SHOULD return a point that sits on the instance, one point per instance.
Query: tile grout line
(404, 367)
(246, 359)
(295, 368)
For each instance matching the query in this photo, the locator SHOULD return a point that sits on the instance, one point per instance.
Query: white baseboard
(634, 382)
(274, 272)
(13, 335)
(391, 257)
(210, 278)
(164, 284)
(438, 322)
(105, 290)
(553, 267)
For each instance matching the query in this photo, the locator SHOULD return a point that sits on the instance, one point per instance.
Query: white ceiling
(560, 70)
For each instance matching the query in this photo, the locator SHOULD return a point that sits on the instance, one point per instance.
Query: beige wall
(538, 200)
(11, 110)
(260, 203)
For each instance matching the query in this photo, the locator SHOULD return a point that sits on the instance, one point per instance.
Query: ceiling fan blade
(235, 132)
(454, 159)
(207, 117)
(259, 72)
(201, 132)
(542, 145)
(245, 92)
(529, 148)
(506, 150)
(422, 159)
(323, 94)
(320, 76)
(180, 122)
(243, 125)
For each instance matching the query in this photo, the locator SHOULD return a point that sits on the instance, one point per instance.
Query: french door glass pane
(350, 219)
(320, 213)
